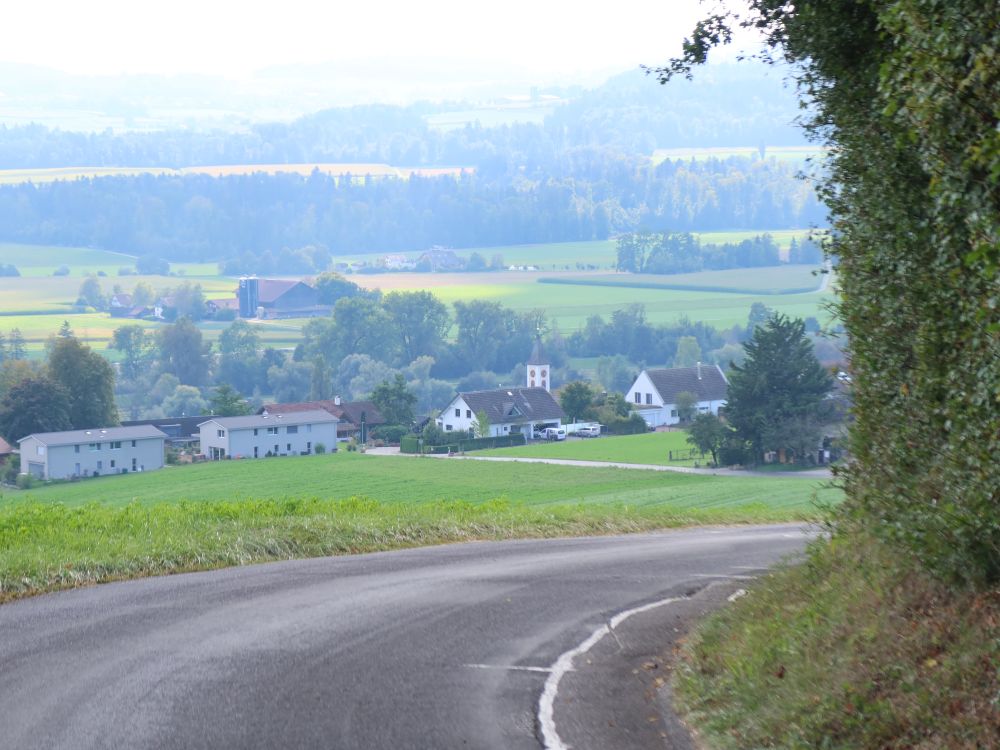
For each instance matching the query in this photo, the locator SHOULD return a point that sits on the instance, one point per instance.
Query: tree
(394, 401)
(89, 381)
(226, 401)
(779, 383)
(189, 301)
(688, 352)
(420, 322)
(290, 381)
(15, 345)
(759, 315)
(35, 404)
(332, 286)
(615, 373)
(708, 434)
(687, 405)
(576, 399)
(91, 294)
(65, 331)
(143, 294)
(185, 401)
(132, 342)
(152, 265)
(239, 364)
(182, 353)
(481, 427)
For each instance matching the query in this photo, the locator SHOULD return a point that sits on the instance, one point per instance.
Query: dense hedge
(410, 444)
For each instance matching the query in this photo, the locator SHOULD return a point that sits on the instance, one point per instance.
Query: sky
(234, 39)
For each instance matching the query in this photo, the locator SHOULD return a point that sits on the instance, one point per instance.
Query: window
(116, 445)
(100, 465)
(112, 463)
(40, 450)
(468, 413)
(447, 428)
(255, 453)
(133, 444)
(276, 451)
(76, 448)
(94, 446)
(255, 432)
(309, 428)
(272, 430)
(673, 412)
(649, 399)
(288, 447)
(638, 397)
(458, 412)
(134, 464)
(292, 429)
(220, 433)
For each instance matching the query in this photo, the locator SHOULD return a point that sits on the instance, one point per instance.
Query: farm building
(509, 410)
(355, 416)
(260, 435)
(654, 393)
(278, 298)
(84, 453)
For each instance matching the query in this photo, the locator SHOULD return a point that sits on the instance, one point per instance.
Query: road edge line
(546, 703)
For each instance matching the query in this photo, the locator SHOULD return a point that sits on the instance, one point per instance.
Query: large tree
(780, 383)
(35, 404)
(88, 379)
(131, 341)
(182, 352)
(576, 399)
(420, 322)
(395, 401)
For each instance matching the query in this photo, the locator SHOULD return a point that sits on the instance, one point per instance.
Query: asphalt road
(441, 647)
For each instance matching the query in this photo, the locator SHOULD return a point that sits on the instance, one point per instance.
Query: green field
(237, 512)
(651, 448)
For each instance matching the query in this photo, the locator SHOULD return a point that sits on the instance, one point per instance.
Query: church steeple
(538, 371)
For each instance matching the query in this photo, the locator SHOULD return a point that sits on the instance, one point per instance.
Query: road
(440, 647)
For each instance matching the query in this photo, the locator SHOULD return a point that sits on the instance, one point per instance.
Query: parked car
(594, 431)
(554, 433)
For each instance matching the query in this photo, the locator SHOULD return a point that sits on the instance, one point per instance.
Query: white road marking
(564, 664)
(738, 594)
(724, 575)
(508, 668)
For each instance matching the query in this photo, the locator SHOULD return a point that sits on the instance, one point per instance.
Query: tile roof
(268, 290)
(96, 435)
(705, 381)
(315, 416)
(514, 405)
(5, 447)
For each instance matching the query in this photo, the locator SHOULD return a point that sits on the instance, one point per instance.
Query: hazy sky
(235, 38)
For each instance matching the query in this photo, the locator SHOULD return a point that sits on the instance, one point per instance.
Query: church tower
(537, 371)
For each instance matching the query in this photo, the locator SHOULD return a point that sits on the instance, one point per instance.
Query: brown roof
(268, 290)
(346, 411)
(5, 448)
(514, 405)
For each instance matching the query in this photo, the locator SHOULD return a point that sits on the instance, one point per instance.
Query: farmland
(652, 448)
(236, 512)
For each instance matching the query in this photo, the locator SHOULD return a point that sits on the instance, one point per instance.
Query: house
(509, 410)
(441, 259)
(82, 453)
(260, 435)
(222, 303)
(180, 432)
(278, 298)
(654, 392)
(396, 262)
(354, 416)
(6, 451)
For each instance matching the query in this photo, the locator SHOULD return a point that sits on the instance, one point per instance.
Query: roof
(347, 411)
(537, 353)
(95, 435)
(512, 405)
(268, 290)
(710, 386)
(269, 420)
(174, 427)
(5, 447)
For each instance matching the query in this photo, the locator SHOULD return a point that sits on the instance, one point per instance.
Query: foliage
(151, 265)
(35, 404)
(185, 401)
(181, 352)
(91, 294)
(131, 341)
(708, 434)
(481, 427)
(576, 399)
(687, 405)
(226, 401)
(616, 373)
(88, 380)
(391, 434)
(394, 400)
(780, 385)
(668, 253)
(905, 92)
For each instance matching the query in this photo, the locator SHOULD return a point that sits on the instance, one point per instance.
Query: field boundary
(680, 287)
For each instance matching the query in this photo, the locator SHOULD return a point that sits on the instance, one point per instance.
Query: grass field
(652, 448)
(232, 513)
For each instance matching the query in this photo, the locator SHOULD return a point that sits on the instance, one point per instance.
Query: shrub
(390, 433)
(319, 449)
(61, 271)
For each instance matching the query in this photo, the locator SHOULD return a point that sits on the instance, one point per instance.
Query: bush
(61, 271)
(319, 449)
(26, 481)
(390, 433)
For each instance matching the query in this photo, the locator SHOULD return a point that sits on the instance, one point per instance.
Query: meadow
(237, 512)
(652, 448)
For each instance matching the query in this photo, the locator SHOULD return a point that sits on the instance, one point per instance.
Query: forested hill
(728, 105)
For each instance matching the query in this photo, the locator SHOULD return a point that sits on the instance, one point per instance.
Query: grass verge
(847, 650)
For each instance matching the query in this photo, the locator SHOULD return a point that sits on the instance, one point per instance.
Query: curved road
(441, 647)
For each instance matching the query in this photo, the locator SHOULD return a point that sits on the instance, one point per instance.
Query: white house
(654, 392)
(259, 435)
(509, 410)
(85, 453)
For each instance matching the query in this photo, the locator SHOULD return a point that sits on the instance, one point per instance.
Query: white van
(554, 433)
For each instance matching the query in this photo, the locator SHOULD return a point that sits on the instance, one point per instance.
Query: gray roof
(514, 405)
(705, 381)
(537, 353)
(95, 435)
(269, 420)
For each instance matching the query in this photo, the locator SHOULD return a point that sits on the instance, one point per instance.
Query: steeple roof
(537, 353)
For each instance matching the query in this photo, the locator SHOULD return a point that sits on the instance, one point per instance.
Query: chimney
(699, 371)
(336, 400)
